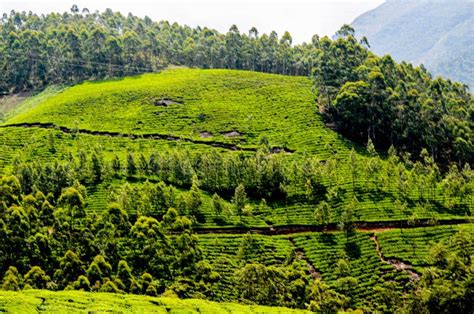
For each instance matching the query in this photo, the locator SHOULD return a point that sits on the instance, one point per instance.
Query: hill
(437, 34)
(208, 106)
(109, 45)
(222, 185)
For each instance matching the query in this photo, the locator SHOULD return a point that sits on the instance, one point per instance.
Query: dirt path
(152, 136)
(369, 226)
(398, 265)
(300, 255)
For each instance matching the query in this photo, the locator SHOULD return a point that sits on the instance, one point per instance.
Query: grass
(41, 301)
(13, 105)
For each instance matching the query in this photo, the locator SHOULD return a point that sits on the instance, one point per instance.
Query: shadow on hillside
(352, 248)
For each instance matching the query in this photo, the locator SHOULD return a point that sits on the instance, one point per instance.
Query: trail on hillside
(149, 136)
(369, 226)
(398, 265)
(300, 255)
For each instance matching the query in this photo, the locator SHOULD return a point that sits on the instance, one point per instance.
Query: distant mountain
(438, 34)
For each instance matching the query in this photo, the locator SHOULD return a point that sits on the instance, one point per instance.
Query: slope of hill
(212, 113)
(438, 34)
(234, 107)
(41, 301)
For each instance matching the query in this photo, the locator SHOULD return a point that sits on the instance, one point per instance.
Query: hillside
(437, 34)
(198, 114)
(221, 185)
(209, 106)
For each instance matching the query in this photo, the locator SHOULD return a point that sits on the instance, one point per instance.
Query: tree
(12, 280)
(131, 166)
(217, 204)
(124, 273)
(261, 284)
(346, 222)
(70, 268)
(240, 199)
(446, 287)
(71, 198)
(37, 278)
(116, 165)
(98, 270)
(82, 283)
(322, 213)
(324, 300)
(194, 199)
(74, 201)
(97, 170)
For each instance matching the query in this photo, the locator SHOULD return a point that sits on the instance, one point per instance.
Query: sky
(302, 18)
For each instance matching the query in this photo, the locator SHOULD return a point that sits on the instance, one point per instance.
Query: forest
(153, 163)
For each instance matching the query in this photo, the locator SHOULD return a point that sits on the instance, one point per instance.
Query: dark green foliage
(325, 300)
(239, 199)
(37, 278)
(12, 280)
(394, 104)
(70, 269)
(447, 286)
(272, 285)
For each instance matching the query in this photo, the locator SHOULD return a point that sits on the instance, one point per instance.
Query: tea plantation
(36, 301)
(193, 183)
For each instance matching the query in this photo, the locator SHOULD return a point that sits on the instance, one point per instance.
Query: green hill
(213, 113)
(237, 107)
(221, 185)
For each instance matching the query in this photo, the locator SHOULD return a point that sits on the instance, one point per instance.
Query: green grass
(41, 301)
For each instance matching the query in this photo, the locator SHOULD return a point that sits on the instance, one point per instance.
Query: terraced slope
(394, 258)
(222, 106)
(207, 111)
(41, 301)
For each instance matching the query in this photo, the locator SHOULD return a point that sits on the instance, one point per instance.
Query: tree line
(256, 182)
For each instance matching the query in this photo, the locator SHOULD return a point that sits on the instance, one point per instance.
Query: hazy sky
(302, 18)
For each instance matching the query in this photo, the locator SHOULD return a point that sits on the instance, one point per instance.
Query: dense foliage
(105, 185)
(373, 98)
(51, 243)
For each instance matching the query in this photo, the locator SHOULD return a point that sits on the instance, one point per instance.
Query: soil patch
(205, 134)
(165, 102)
(232, 133)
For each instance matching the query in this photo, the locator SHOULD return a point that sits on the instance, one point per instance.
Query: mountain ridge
(395, 26)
